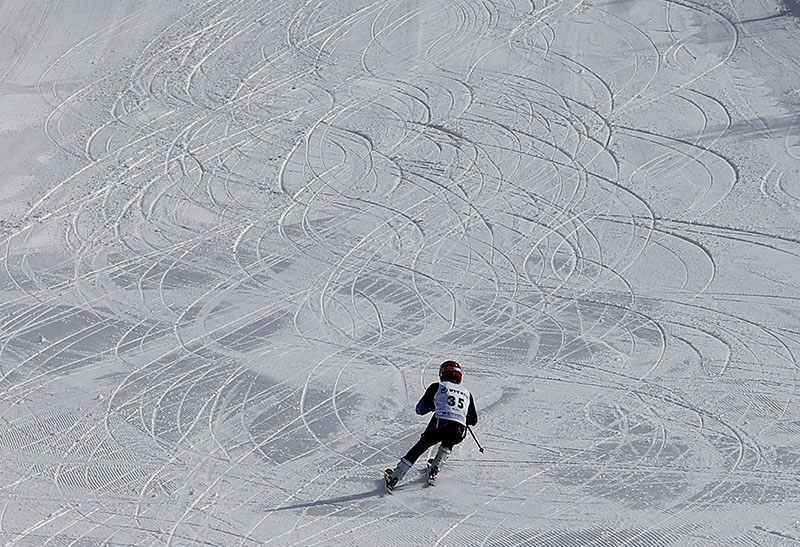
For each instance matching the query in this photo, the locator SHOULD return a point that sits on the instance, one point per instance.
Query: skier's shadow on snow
(333, 501)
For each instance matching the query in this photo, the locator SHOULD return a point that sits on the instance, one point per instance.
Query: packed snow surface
(238, 237)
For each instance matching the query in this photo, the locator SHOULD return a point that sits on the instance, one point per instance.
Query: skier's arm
(425, 404)
(472, 413)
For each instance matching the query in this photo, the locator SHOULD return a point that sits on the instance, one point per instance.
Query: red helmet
(450, 371)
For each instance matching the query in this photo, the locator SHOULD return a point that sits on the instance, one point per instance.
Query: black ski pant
(447, 432)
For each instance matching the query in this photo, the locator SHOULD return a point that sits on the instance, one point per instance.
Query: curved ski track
(274, 219)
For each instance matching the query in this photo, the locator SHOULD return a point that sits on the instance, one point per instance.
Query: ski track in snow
(271, 221)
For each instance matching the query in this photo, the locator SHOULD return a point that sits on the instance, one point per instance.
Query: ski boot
(436, 463)
(392, 476)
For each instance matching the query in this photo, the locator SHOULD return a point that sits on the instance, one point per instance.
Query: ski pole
(476, 439)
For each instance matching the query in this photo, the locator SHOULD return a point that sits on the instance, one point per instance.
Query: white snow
(238, 237)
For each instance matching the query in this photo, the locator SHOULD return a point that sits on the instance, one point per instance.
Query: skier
(454, 410)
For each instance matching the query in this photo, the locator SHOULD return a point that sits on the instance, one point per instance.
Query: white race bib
(451, 402)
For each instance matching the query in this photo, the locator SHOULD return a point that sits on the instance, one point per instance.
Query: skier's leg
(428, 438)
(454, 434)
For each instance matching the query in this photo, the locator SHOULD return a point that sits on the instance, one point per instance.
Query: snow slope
(238, 237)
